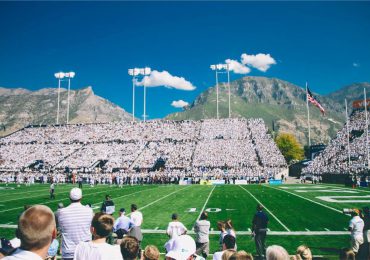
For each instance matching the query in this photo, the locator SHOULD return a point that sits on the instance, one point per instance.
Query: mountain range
(281, 104)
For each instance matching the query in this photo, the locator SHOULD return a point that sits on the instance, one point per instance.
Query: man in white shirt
(98, 249)
(136, 216)
(175, 228)
(74, 223)
(356, 226)
(36, 230)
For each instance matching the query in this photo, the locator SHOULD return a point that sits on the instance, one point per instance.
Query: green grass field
(297, 214)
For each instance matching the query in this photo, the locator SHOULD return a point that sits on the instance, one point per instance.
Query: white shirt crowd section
(334, 159)
(241, 146)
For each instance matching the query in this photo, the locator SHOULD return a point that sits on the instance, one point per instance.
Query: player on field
(259, 230)
(52, 190)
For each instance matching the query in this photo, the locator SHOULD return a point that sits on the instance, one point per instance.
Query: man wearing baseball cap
(122, 225)
(183, 248)
(74, 222)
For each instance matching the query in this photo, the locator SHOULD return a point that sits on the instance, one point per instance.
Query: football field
(299, 214)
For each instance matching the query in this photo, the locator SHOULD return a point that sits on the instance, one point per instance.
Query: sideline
(278, 220)
(204, 206)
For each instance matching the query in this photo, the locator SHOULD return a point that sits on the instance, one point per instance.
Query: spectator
(366, 231)
(347, 254)
(74, 222)
(227, 254)
(108, 205)
(228, 244)
(259, 230)
(356, 226)
(221, 227)
(241, 255)
(98, 249)
(175, 227)
(183, 249)
(130, 248)
(230, 230)
(303, 253)
(122, 225)
(53, 250)
(136, 220)
(201, 229)
(150, 253)
(36, 230)
(276, 253)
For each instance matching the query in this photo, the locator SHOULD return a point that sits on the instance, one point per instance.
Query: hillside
(21, 107)
(281, 104)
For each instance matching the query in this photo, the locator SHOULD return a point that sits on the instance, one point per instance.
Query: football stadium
(184, 130)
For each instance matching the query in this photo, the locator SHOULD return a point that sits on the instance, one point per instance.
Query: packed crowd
(77, 233)
(240, 146)
(334, 159)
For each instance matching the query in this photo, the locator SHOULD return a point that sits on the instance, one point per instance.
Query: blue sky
(325, 43)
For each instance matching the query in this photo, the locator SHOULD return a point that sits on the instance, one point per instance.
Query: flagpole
(349, 151)
(308, 117)
(367, 130)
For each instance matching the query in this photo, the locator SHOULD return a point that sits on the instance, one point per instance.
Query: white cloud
(237, 67)
(355, 64)
(157, 79)
(260, 61)
(179, 103)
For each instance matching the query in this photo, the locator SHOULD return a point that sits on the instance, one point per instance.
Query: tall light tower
(135, 73)
(221, 68)
(59, 76)
(69, 75)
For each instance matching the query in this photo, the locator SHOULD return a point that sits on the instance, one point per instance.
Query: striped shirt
(74, 222)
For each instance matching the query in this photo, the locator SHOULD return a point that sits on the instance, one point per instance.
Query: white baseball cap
(75, 194)
(182, 248)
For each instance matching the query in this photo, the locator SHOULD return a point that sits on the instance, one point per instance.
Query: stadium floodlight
(218, 68)
(69, 75)
(135, 72)
(59, 76)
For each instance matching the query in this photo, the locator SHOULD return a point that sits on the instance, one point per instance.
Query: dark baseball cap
(122, 210)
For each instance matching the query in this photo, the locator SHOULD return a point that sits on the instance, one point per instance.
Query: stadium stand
(239, 147)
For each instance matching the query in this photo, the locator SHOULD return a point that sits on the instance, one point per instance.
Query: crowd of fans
(76, 232)
(238, 147)
(335, 159)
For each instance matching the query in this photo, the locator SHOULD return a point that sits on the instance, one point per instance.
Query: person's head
(150, 253)
(304, 253)
(355, 212)
(101, 225)
(227, 254)
(36, 228)
(228, 242)
(122, 211)
(133, 207)
(276, 253)
(347, 254)
(129, 248)
(259, 207)
(107, 197)
(174, 216)
(241, 255)
(183, 248)
(204, 215)
(75, 195)
(228, 224)
(221, 225)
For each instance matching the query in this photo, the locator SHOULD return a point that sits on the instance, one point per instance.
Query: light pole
(69, 75)
(220, 68)
(59, 76)
(134, 73)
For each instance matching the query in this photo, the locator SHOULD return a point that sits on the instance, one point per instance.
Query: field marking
(327, 191)
(153, 202)
(346, 199)
(299, 196)
(204, 206)
(67, 198)
(278, 220)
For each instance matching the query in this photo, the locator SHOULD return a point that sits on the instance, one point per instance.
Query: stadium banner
(205, 182)
(360, 103)
(275, 182)
(185, 181)
(217, 182)
(241, 182)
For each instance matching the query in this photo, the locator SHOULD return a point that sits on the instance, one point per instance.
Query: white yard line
(153, 202)
(204, 206)
(318, 203)
(278, 220)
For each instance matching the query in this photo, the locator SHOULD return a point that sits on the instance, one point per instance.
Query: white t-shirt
(20, 254)
(357, 225)
(94, 251)
(137, 218)
(175, 229)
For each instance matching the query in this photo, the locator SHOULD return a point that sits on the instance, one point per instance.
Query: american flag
(313, 101)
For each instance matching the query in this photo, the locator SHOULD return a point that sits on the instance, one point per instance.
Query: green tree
(289, 147)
